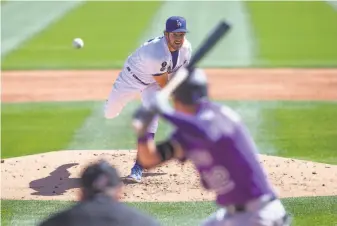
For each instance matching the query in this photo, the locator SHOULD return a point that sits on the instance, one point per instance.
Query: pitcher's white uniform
(151, 58)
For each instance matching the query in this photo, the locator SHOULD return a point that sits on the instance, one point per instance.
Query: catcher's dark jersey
(219, 145)
(100, 211)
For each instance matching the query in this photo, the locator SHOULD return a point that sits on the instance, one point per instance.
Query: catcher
(101, 189)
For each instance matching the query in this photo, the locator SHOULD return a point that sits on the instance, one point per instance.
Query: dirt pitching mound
(55, 176)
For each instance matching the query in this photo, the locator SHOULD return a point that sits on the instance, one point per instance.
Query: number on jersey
(218, 180)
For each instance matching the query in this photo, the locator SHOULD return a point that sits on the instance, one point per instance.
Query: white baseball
(78, 43)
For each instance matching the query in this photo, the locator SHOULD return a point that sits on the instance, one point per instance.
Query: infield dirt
(55, 175)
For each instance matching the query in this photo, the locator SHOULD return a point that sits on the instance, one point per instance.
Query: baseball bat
(141, 121)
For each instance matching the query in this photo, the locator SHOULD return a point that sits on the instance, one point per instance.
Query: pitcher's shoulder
(154, 49)
(187, 45)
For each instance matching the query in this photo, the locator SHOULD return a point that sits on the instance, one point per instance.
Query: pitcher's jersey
(221, 148)
(154, 58)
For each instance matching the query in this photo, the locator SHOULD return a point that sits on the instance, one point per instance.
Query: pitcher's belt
(135, 76)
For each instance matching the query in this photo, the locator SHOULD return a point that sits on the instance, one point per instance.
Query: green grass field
(283, 36)
(39, 127)
(300, 129)
(109, 30)
(185, 213)
(288, 129)
(295, 34)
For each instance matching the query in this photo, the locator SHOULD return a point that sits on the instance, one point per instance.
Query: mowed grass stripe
(32, 128)
(295, 33)
(306, 211)
(303, 130)
(98, 133)
(17, 25)
(110, 31)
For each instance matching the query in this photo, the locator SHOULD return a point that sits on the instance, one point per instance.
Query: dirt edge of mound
(54, 176)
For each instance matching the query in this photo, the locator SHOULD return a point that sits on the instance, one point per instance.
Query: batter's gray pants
(262, 214)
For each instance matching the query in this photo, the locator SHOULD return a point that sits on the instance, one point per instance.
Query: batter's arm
(161, 79)
(151, 155)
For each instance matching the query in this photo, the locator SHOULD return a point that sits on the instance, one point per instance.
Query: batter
(146, 71)
(215, 139)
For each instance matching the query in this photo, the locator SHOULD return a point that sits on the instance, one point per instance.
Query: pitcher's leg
(120, 94)
(137, 170)
(147, 94)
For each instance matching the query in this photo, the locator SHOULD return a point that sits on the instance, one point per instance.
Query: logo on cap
(178, 24)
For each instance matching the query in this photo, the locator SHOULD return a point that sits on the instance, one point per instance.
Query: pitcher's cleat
(136, 174)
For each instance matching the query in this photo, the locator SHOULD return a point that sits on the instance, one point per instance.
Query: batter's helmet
(194, 89)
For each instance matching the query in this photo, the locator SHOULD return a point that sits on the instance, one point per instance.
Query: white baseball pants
(126, 89)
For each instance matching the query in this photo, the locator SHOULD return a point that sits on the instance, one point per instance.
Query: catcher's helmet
(99, 176)
(194, 89)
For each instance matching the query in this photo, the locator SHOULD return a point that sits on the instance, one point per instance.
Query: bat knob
(142, 119)
(138, 125)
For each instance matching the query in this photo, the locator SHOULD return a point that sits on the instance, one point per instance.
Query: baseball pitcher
(218, 143)
(146, 71)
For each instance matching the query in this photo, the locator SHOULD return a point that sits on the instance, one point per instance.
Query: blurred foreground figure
(101, 189)
(215, 139)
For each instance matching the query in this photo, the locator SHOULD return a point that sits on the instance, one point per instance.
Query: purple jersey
(219, 145)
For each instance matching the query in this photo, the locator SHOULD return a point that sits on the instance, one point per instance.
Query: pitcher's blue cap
(176, 24)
